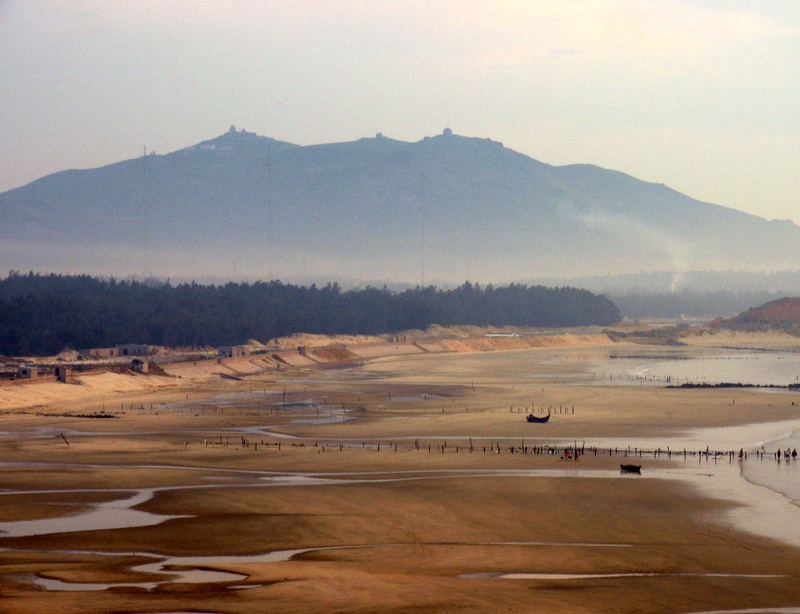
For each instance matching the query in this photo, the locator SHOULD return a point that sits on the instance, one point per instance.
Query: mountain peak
(240, 142)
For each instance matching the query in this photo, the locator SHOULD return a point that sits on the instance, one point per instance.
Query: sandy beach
(405, 480)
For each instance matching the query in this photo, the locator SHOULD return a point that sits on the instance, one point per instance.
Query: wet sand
(405, 505)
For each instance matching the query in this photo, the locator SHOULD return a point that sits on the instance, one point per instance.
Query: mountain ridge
(446, 207)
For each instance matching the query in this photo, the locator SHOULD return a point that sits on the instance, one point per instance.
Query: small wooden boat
(532, 418)
(630, 468)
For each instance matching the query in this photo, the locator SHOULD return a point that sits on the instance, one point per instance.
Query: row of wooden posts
(543, 409)
(494, 447)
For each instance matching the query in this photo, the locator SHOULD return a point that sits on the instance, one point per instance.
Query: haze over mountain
(446, 208)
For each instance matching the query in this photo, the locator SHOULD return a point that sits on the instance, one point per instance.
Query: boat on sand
(532, 418)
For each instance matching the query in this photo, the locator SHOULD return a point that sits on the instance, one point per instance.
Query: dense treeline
(43, 314)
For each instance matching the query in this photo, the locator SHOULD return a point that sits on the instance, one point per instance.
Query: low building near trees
(100, 352)
(27, 372)
(232, 351)
(136, 349)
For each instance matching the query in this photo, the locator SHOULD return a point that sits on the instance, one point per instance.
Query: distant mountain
(446, 208)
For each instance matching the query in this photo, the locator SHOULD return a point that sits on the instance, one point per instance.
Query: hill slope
(782, 313)
(444, 208)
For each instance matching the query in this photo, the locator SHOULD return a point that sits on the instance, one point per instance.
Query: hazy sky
(703, 96)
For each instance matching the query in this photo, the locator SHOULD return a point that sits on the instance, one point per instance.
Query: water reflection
(595, 576)
(753, 368)
(108, 515)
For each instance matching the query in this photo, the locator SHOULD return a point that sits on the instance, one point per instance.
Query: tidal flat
(406, 482)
